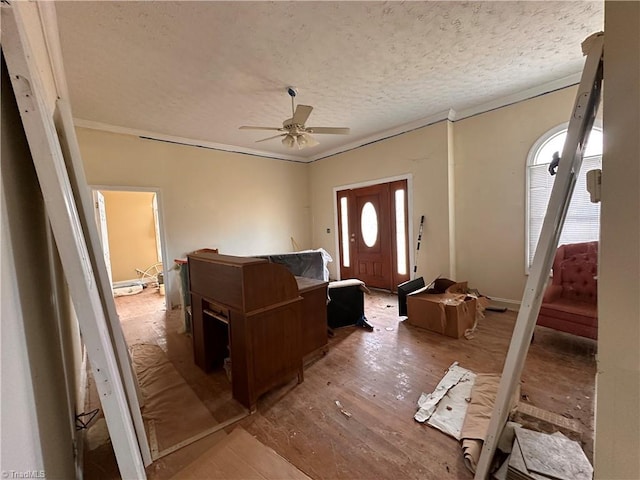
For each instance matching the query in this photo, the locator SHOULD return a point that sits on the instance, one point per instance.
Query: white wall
(617, 440)
(239, 204)
(422, 154)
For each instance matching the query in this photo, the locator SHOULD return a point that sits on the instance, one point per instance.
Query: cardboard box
(459, 287)
(449, 314)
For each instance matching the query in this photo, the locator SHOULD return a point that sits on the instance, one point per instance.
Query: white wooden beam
(71, 153)
(67, 229)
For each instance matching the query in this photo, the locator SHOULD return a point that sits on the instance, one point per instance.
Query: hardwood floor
(378, 377)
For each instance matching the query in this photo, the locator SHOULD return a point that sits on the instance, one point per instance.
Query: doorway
(373, 233)
(129, 223)
(182, 403)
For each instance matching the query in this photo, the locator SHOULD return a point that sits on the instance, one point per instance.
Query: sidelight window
(401, 232)
(344, 224)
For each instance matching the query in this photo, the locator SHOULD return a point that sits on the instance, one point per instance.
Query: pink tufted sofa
(570, 303)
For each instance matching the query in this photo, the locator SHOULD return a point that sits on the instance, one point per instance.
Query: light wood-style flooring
(377, 377)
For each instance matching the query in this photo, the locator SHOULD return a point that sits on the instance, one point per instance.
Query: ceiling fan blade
(333, 130)
(247, 127)
(301, 114)
(271, 138)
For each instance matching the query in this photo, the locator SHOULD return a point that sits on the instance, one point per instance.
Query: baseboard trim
(513, 305)
(127, 283)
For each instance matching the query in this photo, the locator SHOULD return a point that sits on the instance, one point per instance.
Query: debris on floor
(446, 407)
(476, 423)
(123, 290)
(534, 418)
(342, 410)
(461, 406)
(541, 456)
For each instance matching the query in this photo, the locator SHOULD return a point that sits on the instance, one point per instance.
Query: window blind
(582, 223)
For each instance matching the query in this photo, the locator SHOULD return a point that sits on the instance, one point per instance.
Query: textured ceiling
(198, 70)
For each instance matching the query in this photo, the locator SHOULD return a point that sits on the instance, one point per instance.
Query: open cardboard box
(450, 313)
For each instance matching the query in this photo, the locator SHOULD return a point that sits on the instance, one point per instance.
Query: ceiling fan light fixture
(289, 141)
(294, 132)
(309, 141)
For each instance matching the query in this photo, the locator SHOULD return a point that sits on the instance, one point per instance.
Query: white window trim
(531, 156)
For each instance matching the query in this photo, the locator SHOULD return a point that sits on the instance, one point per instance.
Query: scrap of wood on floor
(240, 456)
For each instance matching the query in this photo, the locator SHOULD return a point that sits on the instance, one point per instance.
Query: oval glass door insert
(369, 224)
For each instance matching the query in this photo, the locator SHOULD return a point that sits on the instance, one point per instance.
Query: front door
(373, 234)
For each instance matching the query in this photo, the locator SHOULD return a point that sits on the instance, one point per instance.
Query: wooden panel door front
(372, 253)
(372, 230)
(368, 235)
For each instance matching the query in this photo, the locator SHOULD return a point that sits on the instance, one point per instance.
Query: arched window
(582, 223)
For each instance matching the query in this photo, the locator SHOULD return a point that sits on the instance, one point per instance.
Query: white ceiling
(196, 71)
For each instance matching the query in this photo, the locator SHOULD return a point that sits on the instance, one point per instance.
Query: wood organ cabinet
(253, 312)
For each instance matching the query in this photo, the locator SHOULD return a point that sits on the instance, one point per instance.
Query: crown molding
(148, 135)
(520, 96)
(384, 134)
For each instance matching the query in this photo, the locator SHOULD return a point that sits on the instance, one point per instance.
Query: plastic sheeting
(306, 263)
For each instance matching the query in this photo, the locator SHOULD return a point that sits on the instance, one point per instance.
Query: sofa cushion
(570, 310)
(578, 274)
(587, 331)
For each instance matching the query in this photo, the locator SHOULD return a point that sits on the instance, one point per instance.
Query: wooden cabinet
(314, 314)
(251, 310)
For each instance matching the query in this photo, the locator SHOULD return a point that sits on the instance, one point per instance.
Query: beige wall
(468, 181)
(132, 232)
(240, 204)
(422, 155)
(490, 153)
(617, 440)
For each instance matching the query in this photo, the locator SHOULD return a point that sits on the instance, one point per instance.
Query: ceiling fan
(295, 133)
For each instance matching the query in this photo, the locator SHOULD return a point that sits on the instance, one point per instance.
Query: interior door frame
(103, 230)
(161, 229)
(368, 183)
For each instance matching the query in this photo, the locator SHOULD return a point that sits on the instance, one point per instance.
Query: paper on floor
(445, 408)
(476, 423)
